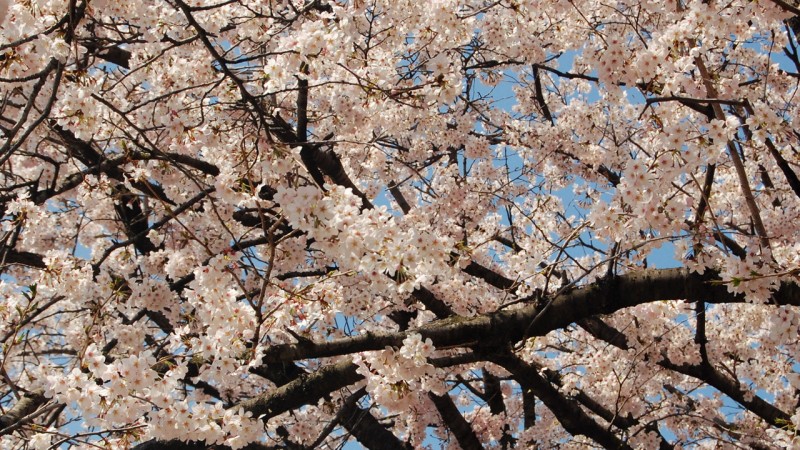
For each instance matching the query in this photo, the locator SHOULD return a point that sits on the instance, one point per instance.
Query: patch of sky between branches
(660, 255)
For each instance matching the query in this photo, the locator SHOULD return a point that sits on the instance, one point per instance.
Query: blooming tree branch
(299, 223)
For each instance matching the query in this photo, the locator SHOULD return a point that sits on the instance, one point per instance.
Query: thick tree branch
(23, 258)
(365, 427)
(490, 276)
(304, 390)
(111, 53)
(394, 189)
(786, 6)
(791, 176)
(15, 416)
(568, 413)
(88, 156)
(539, 95)
(451, 416)
(503, 327)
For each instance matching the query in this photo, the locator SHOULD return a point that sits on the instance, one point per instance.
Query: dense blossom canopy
(286, 224)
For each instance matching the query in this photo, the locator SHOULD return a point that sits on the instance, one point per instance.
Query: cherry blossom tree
(294, 224)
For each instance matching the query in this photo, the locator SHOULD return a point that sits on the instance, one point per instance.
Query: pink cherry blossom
(445, 224)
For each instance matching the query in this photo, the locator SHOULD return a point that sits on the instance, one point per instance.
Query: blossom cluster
(190, 188)
(399, 379)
